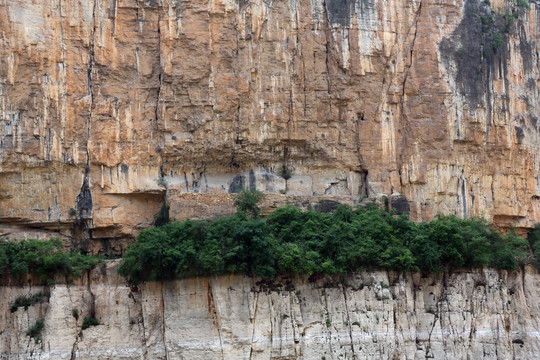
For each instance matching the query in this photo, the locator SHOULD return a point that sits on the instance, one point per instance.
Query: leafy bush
(533, 238)
(309, 242)
(42, 258)
(26, 301)
(35, 330)
(89, 321)
(247, 202)
(285, 172)
(162, 216)
(523, 4)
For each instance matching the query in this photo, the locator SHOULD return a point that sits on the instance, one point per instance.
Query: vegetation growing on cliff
(35, 330)
(89, 321)
(534, 241)
(29, 300)
(309, 242)
(42, 258)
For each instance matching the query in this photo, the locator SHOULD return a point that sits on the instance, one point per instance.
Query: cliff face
(112, 107)
(375, 315)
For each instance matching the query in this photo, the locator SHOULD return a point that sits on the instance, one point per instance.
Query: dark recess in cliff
(237, 184)
(400, 204)
(340, 11)
(82, 232)
(479, 48)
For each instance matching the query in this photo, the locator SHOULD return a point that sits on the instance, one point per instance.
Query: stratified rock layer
(110, 108)
(373, 315)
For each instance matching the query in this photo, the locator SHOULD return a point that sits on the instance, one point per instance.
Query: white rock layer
(480, 314)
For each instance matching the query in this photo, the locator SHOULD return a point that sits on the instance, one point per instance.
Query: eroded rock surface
(110, 108)
(482, 314)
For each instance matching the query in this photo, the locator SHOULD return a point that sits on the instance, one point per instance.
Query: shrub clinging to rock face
(89, 321)
(35, 330)
(292, 241)
(44, 258)
(248, 202)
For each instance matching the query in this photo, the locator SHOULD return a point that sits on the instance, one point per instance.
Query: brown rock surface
(107, 108)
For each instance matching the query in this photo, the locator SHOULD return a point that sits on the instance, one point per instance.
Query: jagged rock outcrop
(481, 314)
(111, 108)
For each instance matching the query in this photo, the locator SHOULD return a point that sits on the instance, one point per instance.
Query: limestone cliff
(110, 108)
(480, 314)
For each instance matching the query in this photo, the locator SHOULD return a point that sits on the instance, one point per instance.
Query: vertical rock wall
(481, 314)
(110, 108)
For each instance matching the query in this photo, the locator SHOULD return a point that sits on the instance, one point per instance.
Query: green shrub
(162, 216)
(247, 201)
(43, 258)
(497, 41)
(89, 321)
(285, 172)
(292, 241)
(35, 330)
(533, 238)
(26, 301)
(523, 4)
(495, 25)
(75, 313)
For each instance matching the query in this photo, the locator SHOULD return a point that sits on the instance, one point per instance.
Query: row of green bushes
(309, 242)
(26, 301)
(45, 259)
(289, 241)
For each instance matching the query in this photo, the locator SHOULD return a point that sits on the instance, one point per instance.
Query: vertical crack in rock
(472, 326)
(74, 348)
(413, 42)
(92, 296)
(292, 318)
(254, 321)
(328, 323)
(163, 337)
(81, 232)
(428, 346)
(144, 339)
(300, 52)
(328, 37)
(437, 314)
(236, 130)
(213, 313)
(403, 116)
(161, 141)
(271, 320)
(160, 68)
(395, 306)
(523, 286)
(291, 112)
(78, 335)
(349, 325)
(63, 88)
(90, 70)
(82, 227)
(364, 188)
(463, 196)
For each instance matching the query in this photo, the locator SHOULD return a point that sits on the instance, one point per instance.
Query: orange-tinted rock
(189, 101)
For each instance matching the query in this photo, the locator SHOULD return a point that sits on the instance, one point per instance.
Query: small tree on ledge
(247, 202)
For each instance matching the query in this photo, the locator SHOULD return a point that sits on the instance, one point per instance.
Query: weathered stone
(111, 108)
(480, 314)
